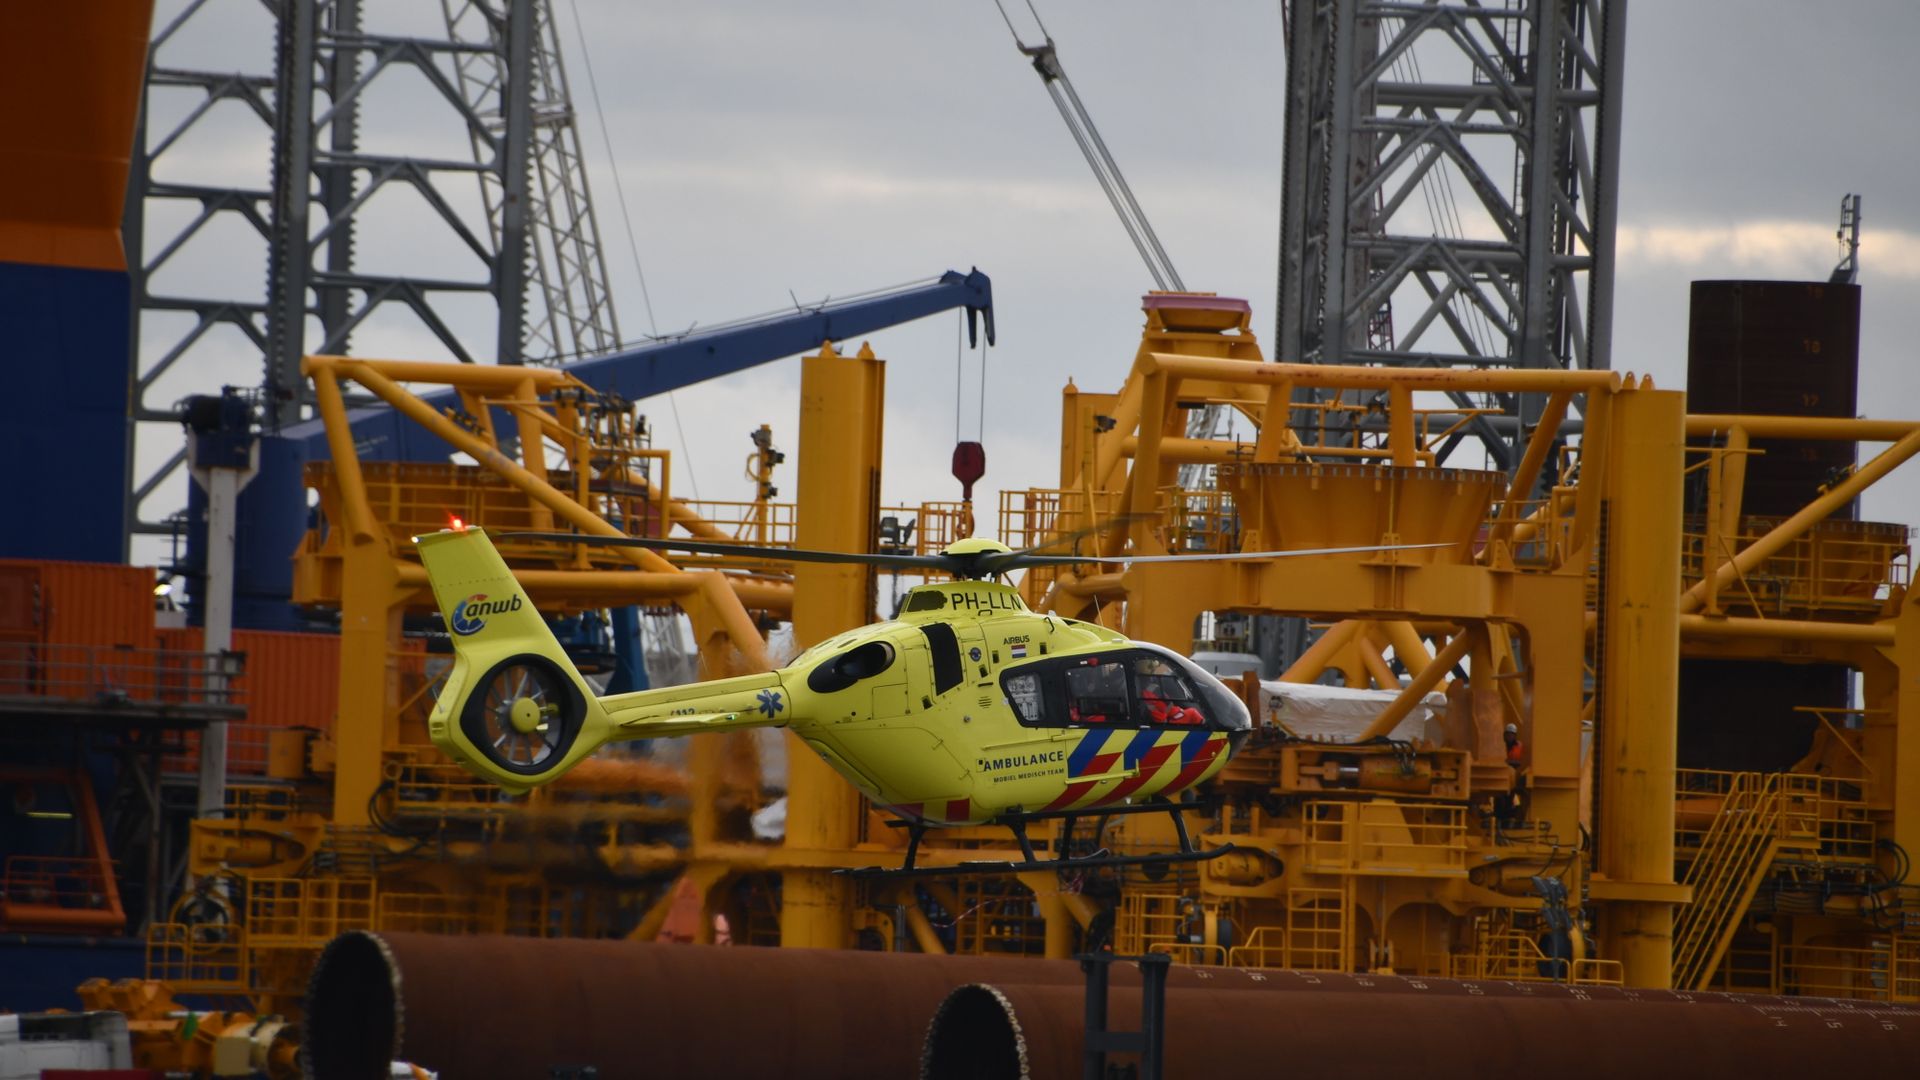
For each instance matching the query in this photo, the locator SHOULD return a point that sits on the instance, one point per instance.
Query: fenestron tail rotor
(523, 715)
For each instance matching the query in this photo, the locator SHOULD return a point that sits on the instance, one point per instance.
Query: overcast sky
(767, 149)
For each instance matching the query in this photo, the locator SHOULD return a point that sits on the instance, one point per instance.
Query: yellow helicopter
(968, 708)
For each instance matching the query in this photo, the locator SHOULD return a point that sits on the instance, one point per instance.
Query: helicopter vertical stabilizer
(514, 708)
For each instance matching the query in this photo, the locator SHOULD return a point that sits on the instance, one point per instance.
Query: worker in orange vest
(1508, 806)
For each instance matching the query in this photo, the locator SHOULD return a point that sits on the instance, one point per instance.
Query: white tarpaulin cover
(1337, 714)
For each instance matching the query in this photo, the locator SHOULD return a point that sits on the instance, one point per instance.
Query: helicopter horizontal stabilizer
(668, 727)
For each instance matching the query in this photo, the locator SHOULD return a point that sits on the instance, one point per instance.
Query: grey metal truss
(151, 193)
(498, 70)
(1380, 263)
(322, 178)
(568, 262)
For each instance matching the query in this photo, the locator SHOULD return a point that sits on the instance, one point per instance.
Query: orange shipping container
(290, 679)
(102, 604)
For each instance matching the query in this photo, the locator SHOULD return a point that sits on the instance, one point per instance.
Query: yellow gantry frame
(1529, 624)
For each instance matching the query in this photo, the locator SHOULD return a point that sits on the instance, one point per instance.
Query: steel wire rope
(1443, 212)
(626, 220)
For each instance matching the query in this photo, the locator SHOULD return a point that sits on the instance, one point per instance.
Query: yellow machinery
(1566, 604)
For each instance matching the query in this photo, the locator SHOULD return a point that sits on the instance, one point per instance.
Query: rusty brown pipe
(509, 1006)
(984, 1032)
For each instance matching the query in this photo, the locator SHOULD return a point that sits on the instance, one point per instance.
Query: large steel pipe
(984, 1032)
(518, 1007)
(499, 1006)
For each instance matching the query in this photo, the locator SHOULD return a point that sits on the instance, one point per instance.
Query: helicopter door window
(1097, 694)
(1163, 695)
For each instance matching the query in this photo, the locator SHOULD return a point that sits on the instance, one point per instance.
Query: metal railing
(1827, 815)
(56, 892)
(112, 677)
(1386, 838)
(1032, 516)
(1507, 953)
(1313, 937)
(1201, 522)
(1145, 921)
(769, 523)
(1760, 815)
(1838, 566)
(1884, 970)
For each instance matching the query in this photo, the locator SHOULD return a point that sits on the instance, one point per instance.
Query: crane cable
(626, 220)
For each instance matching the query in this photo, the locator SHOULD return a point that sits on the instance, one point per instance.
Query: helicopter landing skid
(1017, 825)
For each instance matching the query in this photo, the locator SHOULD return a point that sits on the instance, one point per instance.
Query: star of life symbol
(770, 702)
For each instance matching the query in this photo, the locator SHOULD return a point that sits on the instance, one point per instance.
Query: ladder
(1755, 822)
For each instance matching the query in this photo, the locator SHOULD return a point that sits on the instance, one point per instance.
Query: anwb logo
(469, 615)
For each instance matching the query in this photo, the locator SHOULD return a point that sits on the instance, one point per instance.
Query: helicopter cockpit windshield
(1142, 686)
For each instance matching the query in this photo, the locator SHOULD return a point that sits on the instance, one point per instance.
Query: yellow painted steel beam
(1057, 917)
(1422, 684)
(1806, 518)
(1276, 440)
(919, 926)
(841, 407)
(1878, 635)
(1733, 480)
(1407, 645)
(724, 607)
(1321, 653)
(1639, 673)
(346, 460)
(1524, 477)
(1178, 450)
(491, 377)
(1337, 376)
(1803, 427)
(1596, 452)
(1143, 480)
(1400, 437)
(1107, 461)
(1372, 645)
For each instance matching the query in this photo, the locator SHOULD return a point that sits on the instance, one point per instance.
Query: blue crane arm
(661, 366)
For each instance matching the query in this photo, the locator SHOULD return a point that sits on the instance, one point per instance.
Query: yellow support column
(1899, 697)
(840, 424)
(1639, 667)
(370, 611)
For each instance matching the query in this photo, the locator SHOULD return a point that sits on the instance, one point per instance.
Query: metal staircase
(1762, 815)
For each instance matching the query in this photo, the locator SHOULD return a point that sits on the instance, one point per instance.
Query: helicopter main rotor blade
(1074, 537)
(709, 547)
(1015, 562)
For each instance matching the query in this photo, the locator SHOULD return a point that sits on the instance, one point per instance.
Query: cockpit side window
(1163, 695)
